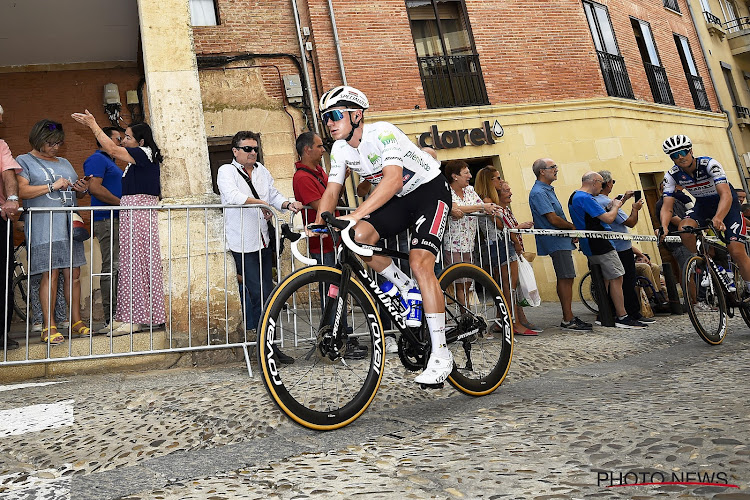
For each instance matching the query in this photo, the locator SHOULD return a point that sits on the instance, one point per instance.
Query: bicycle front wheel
(705, 301)
(330, 382)
(587, 293)
(474, 304)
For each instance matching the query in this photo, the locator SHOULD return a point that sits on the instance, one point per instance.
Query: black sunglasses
(249, 149)
(52, 126)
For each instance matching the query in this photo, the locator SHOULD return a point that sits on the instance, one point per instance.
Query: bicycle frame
(734, 297)
(352, 266)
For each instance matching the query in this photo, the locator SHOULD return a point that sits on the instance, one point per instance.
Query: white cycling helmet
(676, 143)
(343, 96)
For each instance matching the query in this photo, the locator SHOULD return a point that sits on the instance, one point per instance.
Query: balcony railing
(657, 80)
(698, 91)
(615, 75)
(712, 19)
(452, 81)
(672, 5)
(742, 112)
(741, 23)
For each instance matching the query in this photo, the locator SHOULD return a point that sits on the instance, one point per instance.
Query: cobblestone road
(576, 414)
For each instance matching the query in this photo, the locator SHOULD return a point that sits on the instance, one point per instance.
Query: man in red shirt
(309, 184)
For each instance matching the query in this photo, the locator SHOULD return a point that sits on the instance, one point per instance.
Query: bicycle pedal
(432, 386)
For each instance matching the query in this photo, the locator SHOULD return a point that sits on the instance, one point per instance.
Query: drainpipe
(337, 42)
(721, 107)
(313, 106)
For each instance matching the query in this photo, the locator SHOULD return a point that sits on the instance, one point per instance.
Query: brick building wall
(531, 51)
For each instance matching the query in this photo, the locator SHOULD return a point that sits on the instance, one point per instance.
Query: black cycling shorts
(425, 210)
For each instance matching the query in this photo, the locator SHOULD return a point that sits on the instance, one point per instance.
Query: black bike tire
(19, 290)
(488, 384)
(588, 284)
(741, 285)
(717, 337)
(307, 417)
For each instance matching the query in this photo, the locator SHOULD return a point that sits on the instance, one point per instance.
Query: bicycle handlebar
(345, 226)
(294, 239)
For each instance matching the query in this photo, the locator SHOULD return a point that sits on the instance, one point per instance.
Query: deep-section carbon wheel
(705, 301)
(474, 306)
(328, 385)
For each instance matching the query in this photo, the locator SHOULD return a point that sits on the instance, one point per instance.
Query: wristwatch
(12, 197)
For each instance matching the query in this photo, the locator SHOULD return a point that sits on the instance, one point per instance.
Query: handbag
(80, 233)
(271, 227)
(528, 293)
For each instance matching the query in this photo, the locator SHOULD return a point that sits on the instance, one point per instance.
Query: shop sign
(459, 138)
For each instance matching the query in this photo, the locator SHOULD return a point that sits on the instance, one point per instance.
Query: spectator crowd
(131, 278)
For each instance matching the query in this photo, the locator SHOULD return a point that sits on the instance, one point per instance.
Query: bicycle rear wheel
(473, 304)
(744, 308)
(322, 389)
(705, 301)
(587, 293)
(20, 298)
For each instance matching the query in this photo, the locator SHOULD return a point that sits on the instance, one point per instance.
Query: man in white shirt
(245, 181)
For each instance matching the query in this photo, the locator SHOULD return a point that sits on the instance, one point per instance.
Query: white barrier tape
(602, 235)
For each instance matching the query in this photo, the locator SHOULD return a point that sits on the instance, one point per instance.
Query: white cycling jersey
(383, 144)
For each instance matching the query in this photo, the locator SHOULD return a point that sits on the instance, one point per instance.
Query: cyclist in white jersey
(409, 191)
(715, 200)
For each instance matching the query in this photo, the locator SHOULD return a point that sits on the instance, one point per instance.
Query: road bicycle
(312, 313)
(710, 295)
(590, 299)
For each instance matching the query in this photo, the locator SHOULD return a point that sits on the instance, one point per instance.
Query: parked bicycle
(318, 308)
(712, 287)
(590, 299)
(20, 282)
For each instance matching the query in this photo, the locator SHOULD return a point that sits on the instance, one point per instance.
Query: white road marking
(36, 418)
(4, 388)
(45, 483)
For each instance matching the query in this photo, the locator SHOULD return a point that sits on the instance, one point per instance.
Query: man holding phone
(105, 187)
(624, 248)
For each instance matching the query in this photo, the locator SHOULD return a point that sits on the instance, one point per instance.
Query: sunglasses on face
(249, 149)
(334, 115)
(679, 154)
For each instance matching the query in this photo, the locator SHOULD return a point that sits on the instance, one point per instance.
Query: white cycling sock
(436, 324)
(397, 277)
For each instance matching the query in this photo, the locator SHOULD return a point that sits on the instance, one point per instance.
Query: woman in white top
(461, 233)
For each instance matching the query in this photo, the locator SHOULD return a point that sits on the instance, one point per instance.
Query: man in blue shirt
(105, 187)
(624, 248)
(588, 215)
(548, 214)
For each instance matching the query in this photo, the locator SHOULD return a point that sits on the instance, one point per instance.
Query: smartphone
(637, 195)
(619, 197)
(87, 177)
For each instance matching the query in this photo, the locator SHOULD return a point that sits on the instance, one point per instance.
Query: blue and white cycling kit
(702, 186)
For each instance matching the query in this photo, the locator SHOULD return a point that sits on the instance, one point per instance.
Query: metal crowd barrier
(202, 299)
(201, 294)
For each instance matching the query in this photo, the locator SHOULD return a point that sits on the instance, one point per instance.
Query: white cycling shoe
(437, 370)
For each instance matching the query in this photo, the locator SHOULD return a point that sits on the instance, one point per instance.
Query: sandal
(80, 331)
(54, 338)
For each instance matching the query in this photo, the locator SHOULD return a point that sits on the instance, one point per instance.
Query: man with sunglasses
(715, 200)
(409, 192)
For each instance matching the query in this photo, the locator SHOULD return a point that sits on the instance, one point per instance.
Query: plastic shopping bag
(528, 293)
